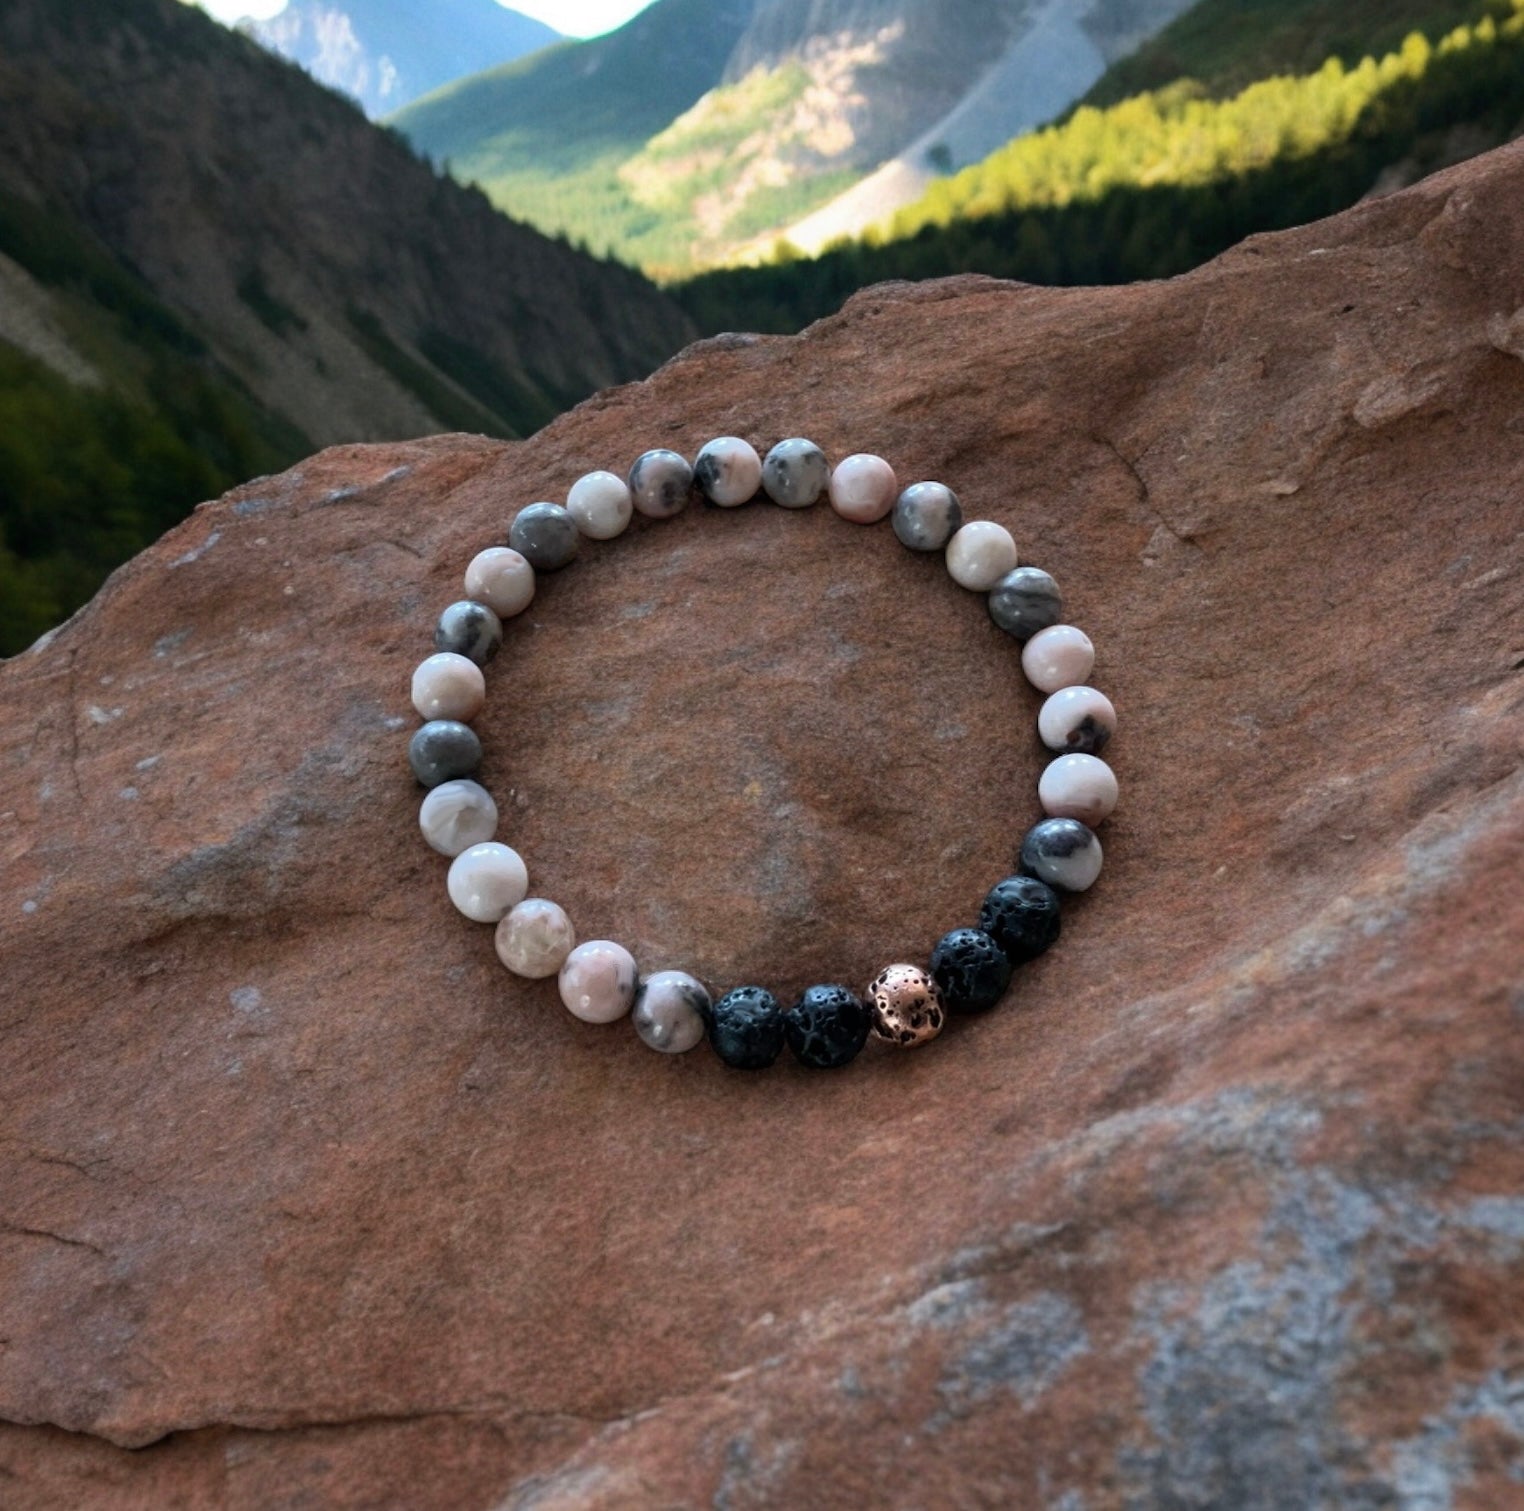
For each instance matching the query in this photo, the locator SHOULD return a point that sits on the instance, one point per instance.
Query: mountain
(1162, 181)
(210, 266)
(686, 155)
(385, 53)
(1003, 81)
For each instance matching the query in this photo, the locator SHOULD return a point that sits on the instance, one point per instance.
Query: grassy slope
(545, 136)
(708, 175)
(1227, 44)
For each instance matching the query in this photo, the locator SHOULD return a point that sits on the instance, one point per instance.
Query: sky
(577, 18)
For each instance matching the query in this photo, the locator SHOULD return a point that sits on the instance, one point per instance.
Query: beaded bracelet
(905, 1005)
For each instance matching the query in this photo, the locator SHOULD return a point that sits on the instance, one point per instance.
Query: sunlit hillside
(1161, 181)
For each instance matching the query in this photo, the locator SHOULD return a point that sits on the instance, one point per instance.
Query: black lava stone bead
(746, 1028)
(971, 970)
(826, 1027)
(443, 750)
(1021, 916)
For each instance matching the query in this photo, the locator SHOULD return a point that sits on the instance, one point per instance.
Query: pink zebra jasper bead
(601, 505)
(1077, 720)
(1078, 786)
(659, 484)
(980, 554)
(728, 471)
(500, 578)
(598, 981)
(863, 489)
(670, 1008)
(449, 686)
(534, 939)
(1058, 657)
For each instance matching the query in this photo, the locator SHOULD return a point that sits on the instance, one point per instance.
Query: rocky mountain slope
(795, 102)
(385, 53)
(1011, 81)
(225, 265)
(306, 1203)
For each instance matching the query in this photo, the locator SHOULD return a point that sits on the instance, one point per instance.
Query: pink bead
(534, 940)
(1078, 786)
(447, 686)
(1058, 657)
(501, 579)
(980, 554)
(598, 981)
(864, 489)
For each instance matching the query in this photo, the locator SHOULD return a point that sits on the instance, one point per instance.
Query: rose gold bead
(906, 1005)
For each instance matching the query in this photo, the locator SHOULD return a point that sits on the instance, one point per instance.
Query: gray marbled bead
(545, 535)
(927, 516)
(1025, 601)
(1063, 853)
(795, 473)
(442, 750)
(660, 484)
(469, 629)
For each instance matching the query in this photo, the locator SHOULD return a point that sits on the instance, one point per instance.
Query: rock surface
(307, 1202)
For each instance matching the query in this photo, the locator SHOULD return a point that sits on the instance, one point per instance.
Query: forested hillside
(1226, 45)
(211, 266)
(1163, 181)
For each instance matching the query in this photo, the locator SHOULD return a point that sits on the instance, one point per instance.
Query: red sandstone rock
(306, 1202)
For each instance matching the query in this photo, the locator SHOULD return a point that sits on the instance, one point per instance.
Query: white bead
(980, 554)
(864, 489)
(457, 815)
(1058, 657)
(500, 578)
(447, 686)
(598, 981)
(535, 938)
(1078, 786)
(601, 505)
(487, 881)
(728, 471)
